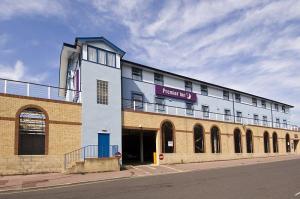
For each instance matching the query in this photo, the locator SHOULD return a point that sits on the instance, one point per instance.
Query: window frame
(188, 85)
(204, 89)
(238, 97)
(205, 113)
(227, 117)
(239, 118)
(226, 95)
(135, 69)
(254, 101)
(135, 105)
(263, 104)
(103, 100)
(157, 80)
(160, 107)
(106, 56)
(189, 111)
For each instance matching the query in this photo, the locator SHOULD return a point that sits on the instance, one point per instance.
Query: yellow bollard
(154, 158)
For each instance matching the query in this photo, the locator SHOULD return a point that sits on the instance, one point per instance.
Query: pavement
(24, 183)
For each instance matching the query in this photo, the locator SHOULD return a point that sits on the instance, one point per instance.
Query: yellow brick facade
(64, 134)
(184, 143)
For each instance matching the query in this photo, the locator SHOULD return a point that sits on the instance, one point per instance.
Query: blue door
(103, 145)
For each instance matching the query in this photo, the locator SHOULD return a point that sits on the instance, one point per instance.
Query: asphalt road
(278, 180)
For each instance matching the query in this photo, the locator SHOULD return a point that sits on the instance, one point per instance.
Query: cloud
(253, 46)
(13, 8)
(20, 72)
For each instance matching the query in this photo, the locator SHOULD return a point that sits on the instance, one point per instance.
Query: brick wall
(64, 134)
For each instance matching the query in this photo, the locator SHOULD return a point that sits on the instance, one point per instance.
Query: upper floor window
(204, 90)
(239, 116)
(92, 54)
(255, 119)
(137, 74)
(227, 114)
(277, 122)
(205, 110)
(254, 101)
(188, 86)
(160, 104)
(189, 109)
(226, 95)
(158, 79)
(102, 92)
(138, 101)
(283, 109)
(265, 120)
(284, 122)
(101, 56)
(263, 104)
(237, 97)
(276, 107)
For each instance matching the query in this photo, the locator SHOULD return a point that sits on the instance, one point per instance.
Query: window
(158, 79)
(32, 132)
(255, 119)
(227, 114)
(265, 120)
(284, 122)
(102, 57)
(237, 97)
(275, 142)
(137, 101)
(283, 109)
(254, 101)
(266, 142)
(276, 107)
(92, 54)
(188, 86)
(249, 141)
(204, 90)
(237, 141)
(199, 139)
(277, 122)
(287, 143)
(160, 104)
(102, 92)
(205, 110)
(111, 59)
(167, 130)
(263, 104)
(189, 109)
(226, 95)
(137, 74)
(215, 140)
(239, 116)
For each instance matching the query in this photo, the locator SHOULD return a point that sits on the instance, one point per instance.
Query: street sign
(161, 156)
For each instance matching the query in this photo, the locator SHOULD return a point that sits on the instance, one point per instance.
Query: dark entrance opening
(138, 146)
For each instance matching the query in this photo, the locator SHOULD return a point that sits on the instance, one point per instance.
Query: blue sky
(253, 46)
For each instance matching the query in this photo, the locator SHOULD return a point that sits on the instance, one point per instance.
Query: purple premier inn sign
(175, 93)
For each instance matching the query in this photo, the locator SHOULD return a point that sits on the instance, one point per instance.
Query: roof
(100, 39)
(203, 82)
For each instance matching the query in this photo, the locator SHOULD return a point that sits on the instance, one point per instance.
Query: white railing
(29, 89)
(180, 111)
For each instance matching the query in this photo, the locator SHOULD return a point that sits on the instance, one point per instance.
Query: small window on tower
(102, 92)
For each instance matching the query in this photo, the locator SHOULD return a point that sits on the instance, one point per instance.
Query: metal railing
(30, 89)
(89, 151)
(180, 111)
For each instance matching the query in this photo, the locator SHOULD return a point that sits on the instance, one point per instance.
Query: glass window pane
(92, 54)
(101, 57)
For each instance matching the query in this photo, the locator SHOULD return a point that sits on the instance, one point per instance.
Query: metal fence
(38, 90)
(180, 111)
(90, 151)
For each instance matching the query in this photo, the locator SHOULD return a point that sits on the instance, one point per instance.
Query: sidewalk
(25, 182)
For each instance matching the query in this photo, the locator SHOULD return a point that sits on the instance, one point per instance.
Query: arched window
(199, 139)
(215, 140)
(237, 141)
(32, 132)
(287, 143)
(167, 137)
(266, 142)
(275, 143)
(249, 141)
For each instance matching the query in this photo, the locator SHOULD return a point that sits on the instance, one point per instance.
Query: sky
(248, 45)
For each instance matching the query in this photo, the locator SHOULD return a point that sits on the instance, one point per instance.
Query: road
(277, 180)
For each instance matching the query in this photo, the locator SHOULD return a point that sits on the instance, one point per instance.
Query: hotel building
(149, 115)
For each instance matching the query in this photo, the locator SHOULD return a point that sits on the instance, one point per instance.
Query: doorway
(138, 146)
(296, 142)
